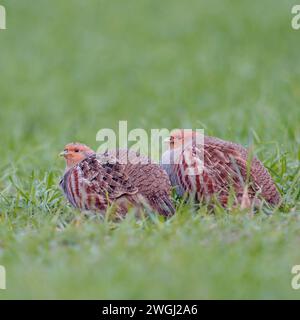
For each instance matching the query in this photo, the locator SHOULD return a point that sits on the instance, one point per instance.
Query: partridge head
(75, 153)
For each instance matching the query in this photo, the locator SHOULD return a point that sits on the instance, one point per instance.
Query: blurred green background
(70, 68)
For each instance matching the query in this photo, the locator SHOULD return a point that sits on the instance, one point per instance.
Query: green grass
(70, 68)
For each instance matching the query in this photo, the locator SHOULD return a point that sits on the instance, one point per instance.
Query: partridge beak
(63, 154)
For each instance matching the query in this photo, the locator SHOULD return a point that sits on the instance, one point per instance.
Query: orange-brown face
(75, 153)
(179, 137)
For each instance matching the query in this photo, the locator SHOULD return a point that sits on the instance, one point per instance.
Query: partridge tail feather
(163, 205)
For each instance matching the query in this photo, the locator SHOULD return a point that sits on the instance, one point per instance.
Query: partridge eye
(76, 150)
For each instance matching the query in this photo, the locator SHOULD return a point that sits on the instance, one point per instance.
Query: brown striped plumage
(99, 180)
(226, 169)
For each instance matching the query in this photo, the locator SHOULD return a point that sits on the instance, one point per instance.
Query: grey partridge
(216, 169)
(93, 182)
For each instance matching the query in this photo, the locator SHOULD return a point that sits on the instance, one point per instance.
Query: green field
(69, 68)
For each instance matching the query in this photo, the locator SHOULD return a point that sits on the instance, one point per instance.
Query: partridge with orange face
(94, 182)
(215, 169)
